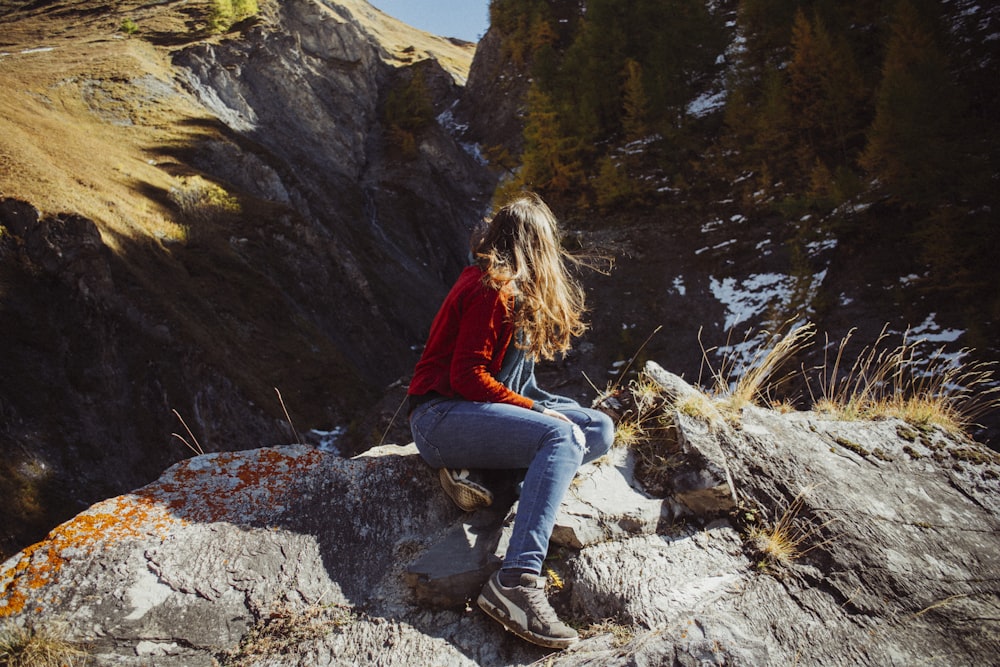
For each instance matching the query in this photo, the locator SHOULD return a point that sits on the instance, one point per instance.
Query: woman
(474, 402)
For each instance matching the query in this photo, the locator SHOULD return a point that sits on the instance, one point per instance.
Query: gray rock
(703, 482)
(893, 559)
(606, 503)
(451, 573)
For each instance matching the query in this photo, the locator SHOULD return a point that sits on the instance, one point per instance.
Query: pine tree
(551, 162)
(805, 90)
(773, 130)
(635, 119)
(826, 94)
(759, 128)
(612, 186)
(766, 27)
(912, 149)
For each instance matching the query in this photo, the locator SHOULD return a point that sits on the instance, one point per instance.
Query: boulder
(298, 556)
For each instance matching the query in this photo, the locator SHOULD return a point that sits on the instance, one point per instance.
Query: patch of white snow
(752, 296)
(931, 332)
(706, 104)
(679, 285)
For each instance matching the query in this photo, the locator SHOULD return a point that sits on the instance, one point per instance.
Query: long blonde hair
(521, 254)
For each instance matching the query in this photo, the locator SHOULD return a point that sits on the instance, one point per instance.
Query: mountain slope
(159, 251)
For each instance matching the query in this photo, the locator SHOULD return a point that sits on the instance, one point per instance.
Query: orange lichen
(112, 521)
(233, 486)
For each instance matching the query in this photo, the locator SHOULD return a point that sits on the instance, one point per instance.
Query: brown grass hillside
(95, 122)
(76, 136)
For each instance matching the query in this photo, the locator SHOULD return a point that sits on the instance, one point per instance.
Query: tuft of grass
(646, 394)
(38, 647)
(621, 634)
(282, 628)
(642, 405)
(200, 200)
(762, 376)
(129, 27)
(757, 378)
(648, 430)
(936, 390)
(629, 433)
(781, 543)
(699, 406)
(227, 13)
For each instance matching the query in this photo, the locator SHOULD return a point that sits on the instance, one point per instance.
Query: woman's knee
(600, 435)
(567, 440)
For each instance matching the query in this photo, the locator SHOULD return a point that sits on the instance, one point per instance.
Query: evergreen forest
(875, 119)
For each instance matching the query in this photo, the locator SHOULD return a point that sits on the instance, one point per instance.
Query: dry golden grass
(757, 378)
(73, 137)
(629, 433)
(902, 381)
(38, 647)
(77, 133)
(886, 381)
(281, 628)
(641, 416)
(620, 633)
(648, 430)
(699, 406)
(781, 543)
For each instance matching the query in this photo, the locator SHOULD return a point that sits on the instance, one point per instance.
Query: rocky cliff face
(778, 539)
(212, 224)
(194, 221)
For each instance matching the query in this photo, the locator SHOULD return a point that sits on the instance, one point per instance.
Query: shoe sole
(501, 617)
(467, 495)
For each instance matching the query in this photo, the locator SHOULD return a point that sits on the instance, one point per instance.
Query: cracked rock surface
(297, 556)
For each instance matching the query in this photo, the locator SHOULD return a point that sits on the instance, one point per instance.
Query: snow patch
(816, 247)
(446, 119)
(706, 103)
(710, 225)
(931, 332)
(328, 439)
(752, 296)
(679, 285)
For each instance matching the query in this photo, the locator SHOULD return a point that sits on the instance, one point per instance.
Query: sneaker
(468, 495)
(525, 611)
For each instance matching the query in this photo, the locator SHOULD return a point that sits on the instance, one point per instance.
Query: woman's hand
(558, 415)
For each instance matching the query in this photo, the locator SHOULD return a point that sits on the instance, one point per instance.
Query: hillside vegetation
(857, 120)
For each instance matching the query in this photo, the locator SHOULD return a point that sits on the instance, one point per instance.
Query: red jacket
(466, 345)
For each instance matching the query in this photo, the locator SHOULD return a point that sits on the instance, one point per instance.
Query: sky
(465, 19)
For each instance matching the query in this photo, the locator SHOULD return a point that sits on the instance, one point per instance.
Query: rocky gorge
(227, 206)
(229, 241)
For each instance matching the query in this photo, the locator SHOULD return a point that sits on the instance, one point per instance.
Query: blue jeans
(451, 433)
